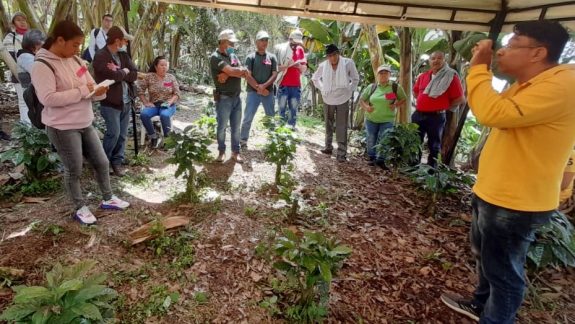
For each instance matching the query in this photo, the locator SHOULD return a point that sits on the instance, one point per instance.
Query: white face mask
(123, 48)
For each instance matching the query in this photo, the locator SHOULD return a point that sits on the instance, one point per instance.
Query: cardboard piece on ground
(35, 200)
(142, 233)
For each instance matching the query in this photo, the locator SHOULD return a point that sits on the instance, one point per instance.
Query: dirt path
(401, 262)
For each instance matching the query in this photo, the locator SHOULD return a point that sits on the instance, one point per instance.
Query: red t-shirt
(427, 104)
(292, 77)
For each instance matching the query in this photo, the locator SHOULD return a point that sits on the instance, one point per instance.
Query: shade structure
(465, 15)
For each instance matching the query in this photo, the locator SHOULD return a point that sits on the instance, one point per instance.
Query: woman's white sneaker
(85, 216)
(114, 203)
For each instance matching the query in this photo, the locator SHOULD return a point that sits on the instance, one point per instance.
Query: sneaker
(326, 151)
(114, 203)
(462, 306)
(244, 145)
(85, 216)
(341, 159)
(220, 157)
(371, 163)
(4, 136)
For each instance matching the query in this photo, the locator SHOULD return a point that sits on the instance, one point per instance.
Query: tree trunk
(454, 119)
(61, 12)
(148, 21)
(4, 20)
(175, 49)
(374, 46)
(405, 73)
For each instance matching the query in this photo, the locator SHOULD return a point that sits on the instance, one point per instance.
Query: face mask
(123, 48)
(230, 50)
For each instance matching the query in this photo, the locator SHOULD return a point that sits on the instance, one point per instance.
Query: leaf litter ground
(402, 260)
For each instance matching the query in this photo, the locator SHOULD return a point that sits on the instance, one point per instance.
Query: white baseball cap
(262, 34)
(384, 67)
(228, 35)
(296, 36)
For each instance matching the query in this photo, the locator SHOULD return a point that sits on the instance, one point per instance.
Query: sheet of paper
(105, 83)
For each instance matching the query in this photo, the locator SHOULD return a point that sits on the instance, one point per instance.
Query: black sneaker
(462, 306)
(326, 151)
(244, 145)
(4, 136)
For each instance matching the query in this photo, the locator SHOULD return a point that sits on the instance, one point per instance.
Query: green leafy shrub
(400, 146)
(177, 246)
(438, 181)
(554, 244)
(33, 151)
(70, 295)
(309, 264)
(41, 187)
(190, 146)
(158, 303)
(280, 149)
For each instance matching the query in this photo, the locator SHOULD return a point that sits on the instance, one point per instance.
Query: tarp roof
(472, 15)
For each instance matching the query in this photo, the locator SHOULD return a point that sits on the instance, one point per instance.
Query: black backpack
(35, 107)
(86, 54)
(374, 87)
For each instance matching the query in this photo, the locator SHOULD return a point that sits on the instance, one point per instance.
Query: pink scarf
(21, 31)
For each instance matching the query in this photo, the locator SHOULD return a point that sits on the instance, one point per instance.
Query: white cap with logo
(384, 68)
(296, 36)
(228, 35)
(262, 34)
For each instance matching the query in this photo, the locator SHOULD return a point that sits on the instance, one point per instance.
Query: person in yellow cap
(522, 163)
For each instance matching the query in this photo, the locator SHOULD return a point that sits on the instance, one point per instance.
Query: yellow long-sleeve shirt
(533, 133)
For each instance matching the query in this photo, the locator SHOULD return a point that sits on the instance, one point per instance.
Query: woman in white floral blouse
(163, 92)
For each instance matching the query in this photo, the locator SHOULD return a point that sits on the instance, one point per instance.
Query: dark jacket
(115, 95)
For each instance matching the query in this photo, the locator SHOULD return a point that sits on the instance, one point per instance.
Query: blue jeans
(117, 122)
(253, 101)
(374, 134)
(500, 238)
(229, 109)
(432, 125)
(289, 97)
(165, 114)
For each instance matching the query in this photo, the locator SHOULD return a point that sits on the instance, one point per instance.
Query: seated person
(566, 197)
(163, 93)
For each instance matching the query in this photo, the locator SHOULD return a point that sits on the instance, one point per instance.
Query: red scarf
(21, 31)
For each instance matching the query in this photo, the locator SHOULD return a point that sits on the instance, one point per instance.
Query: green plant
(41, 187)
(201, 297)
(470, 135)
(191, 146)
(33, 151)
(280, 149)
(158, 303)
(438, 181)
(70, 295)
(400, 146)
(209, 123)
(554, 244)
(177, 246)
(141, 159)
(309, 264)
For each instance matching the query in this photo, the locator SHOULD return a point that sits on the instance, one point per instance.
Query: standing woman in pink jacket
(64, 86)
